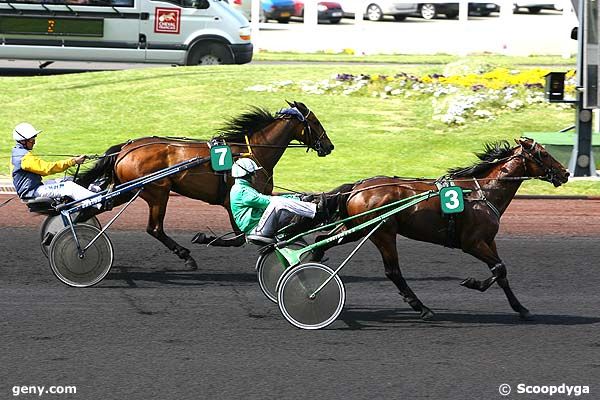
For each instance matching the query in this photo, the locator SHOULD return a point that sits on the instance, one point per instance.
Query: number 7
(222, 153)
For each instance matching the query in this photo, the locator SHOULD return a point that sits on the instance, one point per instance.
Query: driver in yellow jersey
(27, 169)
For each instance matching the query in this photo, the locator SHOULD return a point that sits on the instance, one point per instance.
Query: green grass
(86, 113)
(436, 59)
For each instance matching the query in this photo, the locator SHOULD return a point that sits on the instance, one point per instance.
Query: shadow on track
(184, 277)
(361, 318)
(174, 277)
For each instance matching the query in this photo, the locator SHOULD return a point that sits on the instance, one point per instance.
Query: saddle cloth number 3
(451, 199)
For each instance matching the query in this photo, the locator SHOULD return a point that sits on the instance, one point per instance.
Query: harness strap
(451, 238)
(249, 153)
(8, 201)
(483, 198)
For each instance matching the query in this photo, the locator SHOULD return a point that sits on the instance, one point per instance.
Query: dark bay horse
(257, 132)
(493, 181)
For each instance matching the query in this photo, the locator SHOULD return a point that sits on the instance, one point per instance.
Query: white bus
(182, 32)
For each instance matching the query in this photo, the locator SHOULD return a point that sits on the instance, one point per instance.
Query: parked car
(280, 10)
(434, 10)
(376, 10)
(483, 9)
(245, 7)
(450, 10)
(327, 11)
(535, 7)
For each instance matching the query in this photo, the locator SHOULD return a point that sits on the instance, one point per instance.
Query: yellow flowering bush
(480, 93)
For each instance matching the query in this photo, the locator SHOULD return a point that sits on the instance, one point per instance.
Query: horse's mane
(493, 152)
(246, 124)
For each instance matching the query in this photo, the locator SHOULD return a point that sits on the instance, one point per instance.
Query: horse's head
(313, 135)
(540, 164)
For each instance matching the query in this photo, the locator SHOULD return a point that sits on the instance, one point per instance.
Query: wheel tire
(84, 271)
(374, 13)
(210, 54)
(335, 20)
(53, 224)
(428, 11)
(451, 15)
(534, 10)
(302, 310)
(284, 20)
(269, 270)
(399, 17)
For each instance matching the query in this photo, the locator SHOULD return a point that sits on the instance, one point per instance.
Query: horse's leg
(515, 304)
(488, 254)
(157, 204)
(237, 241)
(386, 244)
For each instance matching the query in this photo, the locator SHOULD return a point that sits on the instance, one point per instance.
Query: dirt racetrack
(530, 217)
(152, 329)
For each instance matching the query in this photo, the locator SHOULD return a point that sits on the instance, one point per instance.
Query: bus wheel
(210, 54)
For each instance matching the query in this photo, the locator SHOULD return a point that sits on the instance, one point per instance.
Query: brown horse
(258, 133)
(493, 181)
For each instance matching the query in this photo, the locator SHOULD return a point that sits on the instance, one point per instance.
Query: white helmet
(24, 131)
(243, 167)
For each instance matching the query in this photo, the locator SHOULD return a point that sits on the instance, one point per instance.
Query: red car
(327, 11)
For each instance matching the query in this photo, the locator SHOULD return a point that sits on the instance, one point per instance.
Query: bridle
(311, 139)
(534, 155)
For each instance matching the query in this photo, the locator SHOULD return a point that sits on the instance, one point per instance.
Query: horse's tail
(101, 173)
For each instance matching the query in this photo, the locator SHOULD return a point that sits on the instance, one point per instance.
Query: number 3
(453, 202)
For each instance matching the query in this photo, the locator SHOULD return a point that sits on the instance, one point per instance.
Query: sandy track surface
(531, 217)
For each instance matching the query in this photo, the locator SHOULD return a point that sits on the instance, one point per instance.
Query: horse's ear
(518, 141)
(290, 104)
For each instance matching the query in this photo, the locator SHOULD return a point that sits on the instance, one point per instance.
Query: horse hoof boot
(427, 314)
(526, 316)
(470, 283)
(190, 264)
(199, 238)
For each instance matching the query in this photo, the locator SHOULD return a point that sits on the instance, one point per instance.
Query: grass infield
(86, 113)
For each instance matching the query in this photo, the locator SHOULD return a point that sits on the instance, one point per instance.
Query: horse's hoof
(427, 314)
(190, 264)
(466, 282)
(470, 283)
(199, 238)
(526, 316)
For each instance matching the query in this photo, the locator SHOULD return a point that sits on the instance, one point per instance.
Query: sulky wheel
(77, 271)
(298, 304)
(269, 269)
(54, 223)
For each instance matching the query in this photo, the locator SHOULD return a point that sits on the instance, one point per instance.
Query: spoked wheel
(54, 223)
(91, 267)
(269, 269)
(428, 11)
(298, 303)
(374, 12)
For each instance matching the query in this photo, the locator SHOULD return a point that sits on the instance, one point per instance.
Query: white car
(377, 9)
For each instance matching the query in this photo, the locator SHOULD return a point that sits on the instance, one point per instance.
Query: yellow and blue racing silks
(27, 170)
